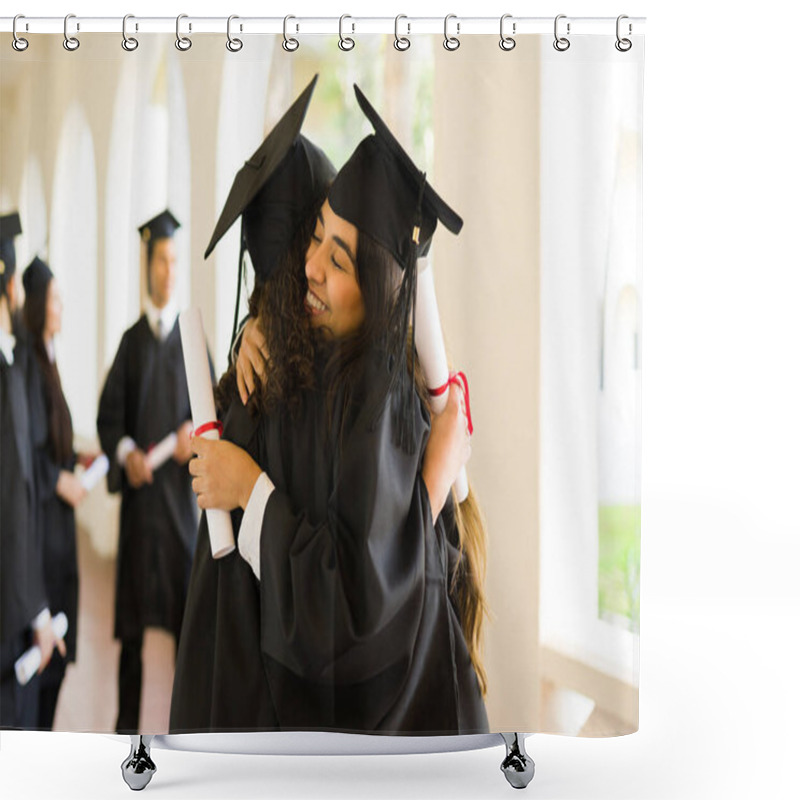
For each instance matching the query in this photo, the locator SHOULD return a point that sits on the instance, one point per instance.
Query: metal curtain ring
(623, 45)
(345, 42)
(289, 44)
(234, 45)
(183, 43)
(451, 42)
(401, 42)
(18, 43)
(70, 42)
(561, 43)
(507, 42)
(128, 42)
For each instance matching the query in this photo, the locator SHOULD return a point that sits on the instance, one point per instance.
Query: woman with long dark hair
(354, 602)
(59, 491)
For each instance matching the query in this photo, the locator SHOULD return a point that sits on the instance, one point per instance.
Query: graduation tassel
(402, 342)
(238, 290)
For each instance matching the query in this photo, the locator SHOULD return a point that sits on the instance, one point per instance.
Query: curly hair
(291, 343)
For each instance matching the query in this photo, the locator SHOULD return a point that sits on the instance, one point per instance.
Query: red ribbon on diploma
(208, 426)
(461, 379)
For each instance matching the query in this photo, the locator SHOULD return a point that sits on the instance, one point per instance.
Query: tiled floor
(88, 699)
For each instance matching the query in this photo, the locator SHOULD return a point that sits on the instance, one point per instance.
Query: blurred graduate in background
(144, 425)
(25, 618)
(59, 490)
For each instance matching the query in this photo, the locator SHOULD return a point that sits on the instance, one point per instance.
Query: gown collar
(168, 315)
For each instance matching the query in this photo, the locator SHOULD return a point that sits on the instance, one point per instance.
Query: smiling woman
(334, 299)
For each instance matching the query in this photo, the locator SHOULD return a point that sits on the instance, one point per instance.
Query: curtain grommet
(561, 43)
(18, 43)
(70, 43)
(289, 44)
(129, 43)
(345, 42)
(507, 43)
(623, 44)
(182, 43)
(401, 43)
(451, 43)
(234, 45)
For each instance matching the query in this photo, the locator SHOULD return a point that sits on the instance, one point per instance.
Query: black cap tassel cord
(401, 345)
(238, 289)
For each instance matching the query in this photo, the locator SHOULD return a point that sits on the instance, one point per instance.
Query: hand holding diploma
(137, 470)
(70, 488)
(36, 658)
(204, 416)
(95, 470)
(432, 356)
(223, 474)
(182, 451)
(446, 452)
(161, 452)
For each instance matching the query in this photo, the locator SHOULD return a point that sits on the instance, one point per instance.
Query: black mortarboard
(162, 226)
(378, 190)
(275, 187)
(382, 192)
(36, 277)
(10, 227)
(274, 191)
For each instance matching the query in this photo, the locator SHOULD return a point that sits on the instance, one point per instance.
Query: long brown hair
(59, 421)
(292, 346)
(468, 582)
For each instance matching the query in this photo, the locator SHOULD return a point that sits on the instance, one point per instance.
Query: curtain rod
(349, 25)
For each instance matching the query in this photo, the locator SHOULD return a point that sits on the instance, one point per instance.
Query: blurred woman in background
(59, 491)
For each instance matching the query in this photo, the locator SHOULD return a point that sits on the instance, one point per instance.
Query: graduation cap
(162, 226)
(10, 227)
(384, 194)
(36, 277)
(273, 192)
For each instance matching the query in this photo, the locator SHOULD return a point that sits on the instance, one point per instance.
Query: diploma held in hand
(432, 355)
(201, 398)
(98, 469)
(163, 451)
(27, 664)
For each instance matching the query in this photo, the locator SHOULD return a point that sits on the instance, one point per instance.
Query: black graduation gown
(351, 627)
(56, 519)
(145, 396)
(22, 594)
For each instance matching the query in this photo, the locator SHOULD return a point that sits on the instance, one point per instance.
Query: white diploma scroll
(26, 665)
(163, 451)
(97, 470)
(201, 398)
(432, 355)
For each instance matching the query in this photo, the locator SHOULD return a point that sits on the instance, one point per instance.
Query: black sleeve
(45, 470)
(111, 413)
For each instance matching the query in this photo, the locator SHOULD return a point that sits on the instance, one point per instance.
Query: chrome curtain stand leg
(517, 766)
(138, 768)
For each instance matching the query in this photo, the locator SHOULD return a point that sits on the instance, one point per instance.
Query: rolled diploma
(432, 355)
(97, 470)
(163, 450)
(26, 665)
(201, 399)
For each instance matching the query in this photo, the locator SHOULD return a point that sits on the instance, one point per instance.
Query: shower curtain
(538, 150)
